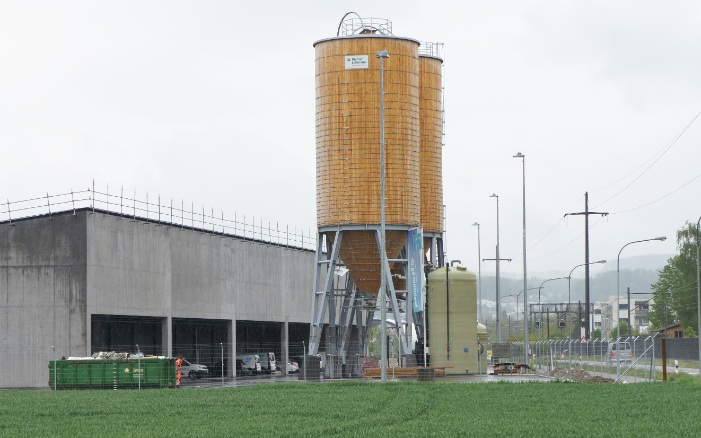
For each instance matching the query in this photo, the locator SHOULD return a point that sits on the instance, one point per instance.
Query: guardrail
(171, 212)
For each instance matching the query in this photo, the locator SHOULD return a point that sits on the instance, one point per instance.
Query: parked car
(251, 362)
(241, 369)
(617, 350)
(292, 367)
(300, 361)
(194, 370)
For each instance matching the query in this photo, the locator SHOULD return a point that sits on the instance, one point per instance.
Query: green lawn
(361, 409)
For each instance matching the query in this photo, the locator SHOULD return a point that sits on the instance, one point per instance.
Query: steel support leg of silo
(392, 294)
(323, 290)
(348, 309)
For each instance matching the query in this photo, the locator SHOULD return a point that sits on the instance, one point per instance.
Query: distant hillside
(651, 262)
(601, 287)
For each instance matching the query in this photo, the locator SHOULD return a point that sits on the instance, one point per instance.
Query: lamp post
(525, 276)
(479, 267)
(516, 318)
(698, 290)
(382, 296)
(494, 195)
(138, 362)
(221, 344)
(618, 298)
(539, 289)
(569, 283)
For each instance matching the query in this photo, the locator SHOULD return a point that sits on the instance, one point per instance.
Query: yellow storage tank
(452, 318)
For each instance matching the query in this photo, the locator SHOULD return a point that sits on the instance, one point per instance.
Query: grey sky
(213, 103)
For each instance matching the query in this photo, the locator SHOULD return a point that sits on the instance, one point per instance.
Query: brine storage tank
(452, 320)
(347, 276)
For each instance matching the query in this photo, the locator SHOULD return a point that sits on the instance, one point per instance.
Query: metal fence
(205, 365)
(595, 357)
(156, 210)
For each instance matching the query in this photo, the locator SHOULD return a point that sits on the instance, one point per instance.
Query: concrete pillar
(231, 340)
(167, 336)
(88, 335)
(285, 350)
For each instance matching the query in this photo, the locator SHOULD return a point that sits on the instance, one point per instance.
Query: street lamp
(138, 363)
(381, 55)
(618, 297)
(525, 276)
(569, 283)
(494, 195)
(516, 318)
(479, 267)
(698, 290)
(539, 289)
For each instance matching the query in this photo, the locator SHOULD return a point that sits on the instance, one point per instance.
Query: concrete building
(607, 314)
(84, 281)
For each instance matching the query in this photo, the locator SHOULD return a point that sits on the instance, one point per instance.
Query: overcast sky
(212, 103)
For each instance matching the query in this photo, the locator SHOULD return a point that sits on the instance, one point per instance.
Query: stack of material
(374, 373)
(110, 355)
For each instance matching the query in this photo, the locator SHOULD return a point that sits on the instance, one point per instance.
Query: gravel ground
(577, 375)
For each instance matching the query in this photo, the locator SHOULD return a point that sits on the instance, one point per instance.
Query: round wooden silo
(348, 147)
(431, 149)
(348, 132)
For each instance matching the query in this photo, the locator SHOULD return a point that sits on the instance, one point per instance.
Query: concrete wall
(56, 272)
(42, 296)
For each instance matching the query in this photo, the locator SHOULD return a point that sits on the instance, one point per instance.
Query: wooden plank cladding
(348, 132)
(431, 150)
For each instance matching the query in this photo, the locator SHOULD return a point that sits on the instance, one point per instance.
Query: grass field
(361, 409)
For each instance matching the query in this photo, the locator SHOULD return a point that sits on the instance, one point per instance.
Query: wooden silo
(348, 149)
(431, 149)
(348, 267)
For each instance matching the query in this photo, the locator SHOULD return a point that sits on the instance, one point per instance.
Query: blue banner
(415, 256)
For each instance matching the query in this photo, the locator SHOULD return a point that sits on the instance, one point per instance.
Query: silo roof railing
(359, 25)
(431, 49)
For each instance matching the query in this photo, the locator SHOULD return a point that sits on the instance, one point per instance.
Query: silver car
(616, 350)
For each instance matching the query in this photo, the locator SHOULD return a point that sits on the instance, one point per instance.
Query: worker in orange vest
(178, 374)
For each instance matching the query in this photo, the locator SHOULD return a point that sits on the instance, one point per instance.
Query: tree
(596, 334)
(675, 290)
(625, 329)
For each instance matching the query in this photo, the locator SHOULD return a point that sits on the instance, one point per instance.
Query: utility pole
(629, 324)
(498, 299)
(586, 214)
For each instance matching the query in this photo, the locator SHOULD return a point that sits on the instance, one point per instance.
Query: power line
(664, 151)
(660, 198)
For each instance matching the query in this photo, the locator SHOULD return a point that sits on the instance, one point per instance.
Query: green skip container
(112, 373)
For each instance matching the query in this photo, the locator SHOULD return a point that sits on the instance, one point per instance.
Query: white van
(251, 361)
(268, 364)
(616, 350)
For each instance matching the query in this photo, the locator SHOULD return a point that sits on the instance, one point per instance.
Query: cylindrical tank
(452, 312)
(348, 149)
(348, 131)
(482, 344)
(431, 149)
